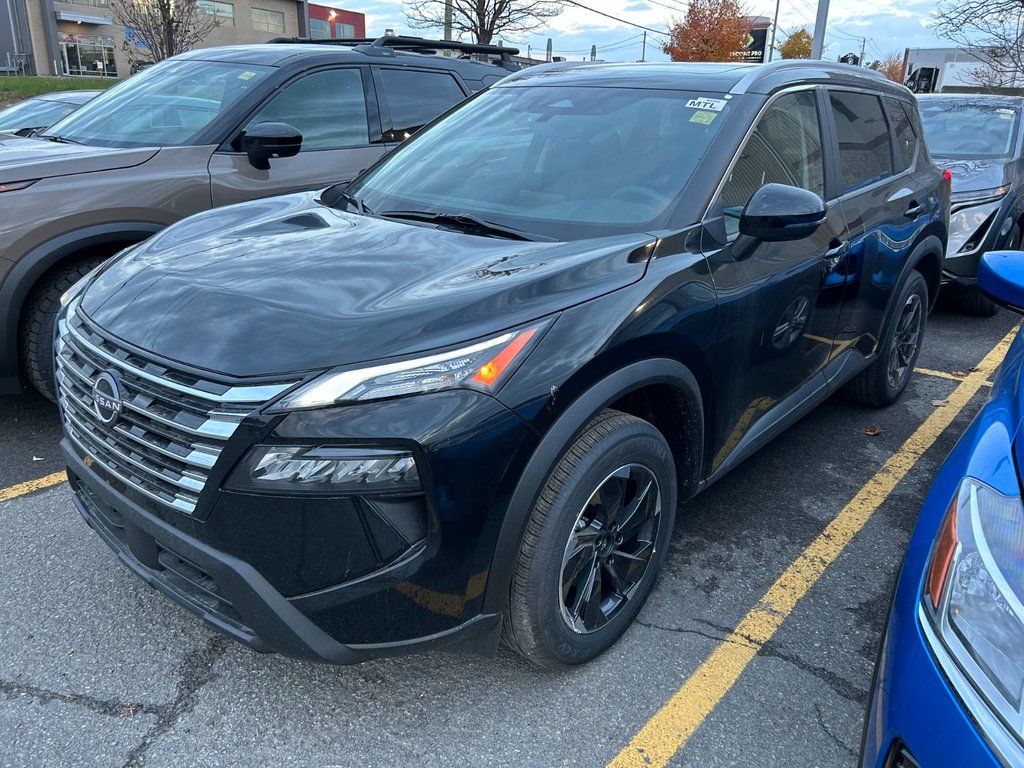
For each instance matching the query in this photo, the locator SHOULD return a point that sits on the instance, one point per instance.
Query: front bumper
(960, 269)
(914, 707)
(228, 592)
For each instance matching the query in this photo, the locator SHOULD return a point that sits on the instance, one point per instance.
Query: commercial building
(80, 37)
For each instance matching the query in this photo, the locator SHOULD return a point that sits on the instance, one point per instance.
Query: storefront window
(223, 12)
(268, 21)
(319, 29)
(87, 55)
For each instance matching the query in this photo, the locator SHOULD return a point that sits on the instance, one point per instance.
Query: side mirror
(778, 212)
(1001, 278)
(266, 140)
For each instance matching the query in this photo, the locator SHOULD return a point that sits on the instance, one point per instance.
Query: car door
(411, 98)
(883, 200)
(777, 312)
(334, 109)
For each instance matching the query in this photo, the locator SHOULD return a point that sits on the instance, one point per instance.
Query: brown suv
(201, 130)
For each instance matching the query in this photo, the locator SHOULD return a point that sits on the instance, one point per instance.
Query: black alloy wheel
(903, 350)
(594, 542)
(610, 548)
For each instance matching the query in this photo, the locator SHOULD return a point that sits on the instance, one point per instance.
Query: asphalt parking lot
(756, 647)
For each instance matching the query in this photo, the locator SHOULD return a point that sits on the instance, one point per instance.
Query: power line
(616, 18)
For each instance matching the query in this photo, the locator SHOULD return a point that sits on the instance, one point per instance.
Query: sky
(890, 26)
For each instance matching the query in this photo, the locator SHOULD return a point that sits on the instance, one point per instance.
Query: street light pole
(818, 46)
(448, 14)
(775, 28)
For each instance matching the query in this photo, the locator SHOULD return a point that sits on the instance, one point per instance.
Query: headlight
(960, 200)
(326, 470)
(11, 186)
(484, 365)
(69, 295)
(973, 593)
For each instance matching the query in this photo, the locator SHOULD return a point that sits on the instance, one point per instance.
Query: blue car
(949, 683)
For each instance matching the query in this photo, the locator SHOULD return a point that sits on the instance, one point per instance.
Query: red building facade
(326, 22)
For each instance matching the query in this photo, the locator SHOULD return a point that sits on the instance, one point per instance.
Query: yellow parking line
(30, 486)
(944, 375)
(671, 726)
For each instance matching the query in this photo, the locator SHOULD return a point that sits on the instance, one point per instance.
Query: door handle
(836, 252)
(915, 210)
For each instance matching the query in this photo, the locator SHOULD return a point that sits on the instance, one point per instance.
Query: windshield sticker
(247, 76)
(714, 104)
(1004, 111)
(704, 118)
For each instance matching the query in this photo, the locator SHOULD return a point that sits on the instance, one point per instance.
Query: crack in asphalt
(194, 672)
(837, 683)
(842, 745)
(109, 707)
(684, 631)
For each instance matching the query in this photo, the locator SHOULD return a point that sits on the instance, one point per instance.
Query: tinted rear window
(865, 150)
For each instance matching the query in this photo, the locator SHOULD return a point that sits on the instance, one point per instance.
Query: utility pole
(643, 51)
(448, 13)
(863, 48)
(775, 28)
(818, 46)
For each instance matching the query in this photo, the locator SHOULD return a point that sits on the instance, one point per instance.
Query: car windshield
(33, 113)
(166, 105)
(967, 129)
(556, 161)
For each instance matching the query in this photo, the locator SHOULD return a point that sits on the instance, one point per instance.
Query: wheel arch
(26, 273)
(661, 390)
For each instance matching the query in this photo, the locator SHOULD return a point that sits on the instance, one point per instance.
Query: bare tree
(991, 30)
(483, 19)
(159, 29)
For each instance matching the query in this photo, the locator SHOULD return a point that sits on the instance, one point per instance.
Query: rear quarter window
(907, 140)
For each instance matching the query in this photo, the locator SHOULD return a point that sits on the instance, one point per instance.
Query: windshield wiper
(465, 222)
(332, 195)
(58, 139)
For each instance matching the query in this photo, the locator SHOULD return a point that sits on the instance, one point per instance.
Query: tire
(618, 454)
(978, 304)
(38, 323)
(875, 385)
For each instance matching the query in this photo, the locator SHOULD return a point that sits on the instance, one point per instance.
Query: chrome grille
(172, 427)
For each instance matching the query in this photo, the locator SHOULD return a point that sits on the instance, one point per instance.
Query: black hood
(286, 284)
(975, 175)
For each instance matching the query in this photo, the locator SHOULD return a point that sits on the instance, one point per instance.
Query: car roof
(280, 54)
(995, 100)
(718, 78)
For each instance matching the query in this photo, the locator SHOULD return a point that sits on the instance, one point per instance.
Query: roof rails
(388, 44)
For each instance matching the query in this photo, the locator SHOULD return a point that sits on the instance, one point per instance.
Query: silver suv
(201, 130)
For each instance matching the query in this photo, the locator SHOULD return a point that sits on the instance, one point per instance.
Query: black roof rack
(386, 45)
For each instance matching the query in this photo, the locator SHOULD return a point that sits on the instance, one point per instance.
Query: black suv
(462, 397)
(207, 128)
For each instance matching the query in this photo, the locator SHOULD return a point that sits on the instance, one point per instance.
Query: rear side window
(785, 148)
(865, 150)
(415, 98)
(906, 138)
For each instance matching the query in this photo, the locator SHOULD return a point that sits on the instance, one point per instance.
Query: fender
(31, 266)
(558, 438)
(929, 245)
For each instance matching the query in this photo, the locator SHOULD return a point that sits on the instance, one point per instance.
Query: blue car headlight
(973, 596)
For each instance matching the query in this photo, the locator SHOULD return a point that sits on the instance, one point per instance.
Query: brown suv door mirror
(779, 212)
(266, 140)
